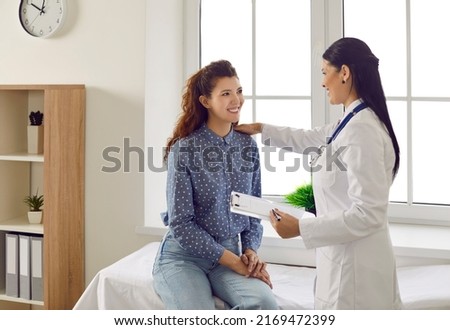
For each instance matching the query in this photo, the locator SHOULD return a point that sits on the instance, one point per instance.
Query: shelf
(4, 297)
(21, 225)
(40, 87)
(59, 175)
(23, 157)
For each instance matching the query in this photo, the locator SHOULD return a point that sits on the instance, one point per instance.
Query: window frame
(411, 212)
(326, 26)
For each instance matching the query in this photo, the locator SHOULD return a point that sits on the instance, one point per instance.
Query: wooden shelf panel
(21, 225)
(23, 157)
(37, 87)
(4, 297)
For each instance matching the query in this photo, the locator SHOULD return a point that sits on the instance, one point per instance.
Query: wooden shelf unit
(63, 165)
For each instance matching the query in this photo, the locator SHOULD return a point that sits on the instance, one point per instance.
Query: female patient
(208, 250)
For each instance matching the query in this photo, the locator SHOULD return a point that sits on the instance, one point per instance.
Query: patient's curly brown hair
(193, 113)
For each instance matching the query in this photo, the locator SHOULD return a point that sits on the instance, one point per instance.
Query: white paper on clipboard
(259, 207)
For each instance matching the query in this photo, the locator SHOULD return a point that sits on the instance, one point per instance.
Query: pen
(276, 215)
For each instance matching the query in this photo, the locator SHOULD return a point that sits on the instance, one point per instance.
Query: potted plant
(36, 132)
(303, 197)
(35, 204)
(36, 118)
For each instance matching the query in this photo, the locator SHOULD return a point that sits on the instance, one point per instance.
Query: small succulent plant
(36, 118)
(34, 202)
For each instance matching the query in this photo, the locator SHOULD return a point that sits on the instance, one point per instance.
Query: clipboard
(259, 207)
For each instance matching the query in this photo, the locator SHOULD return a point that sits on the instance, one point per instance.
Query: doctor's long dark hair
(363, 66)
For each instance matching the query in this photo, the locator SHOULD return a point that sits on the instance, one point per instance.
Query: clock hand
(43, 6)
(36, 7)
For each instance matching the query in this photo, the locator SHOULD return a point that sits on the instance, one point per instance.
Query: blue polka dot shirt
(203, 170)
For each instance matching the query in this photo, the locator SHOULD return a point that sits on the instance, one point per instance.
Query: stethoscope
(333, 136)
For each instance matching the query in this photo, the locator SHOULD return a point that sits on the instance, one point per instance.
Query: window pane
(397, 112)
(382, 25)
(430, 152)
(226, 33)
(246, 112)
(283, 68)
(283, 47)
(283, 171)
(429, 24)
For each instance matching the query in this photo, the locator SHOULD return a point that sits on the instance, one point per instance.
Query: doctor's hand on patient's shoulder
(249, 129)
(287, 226)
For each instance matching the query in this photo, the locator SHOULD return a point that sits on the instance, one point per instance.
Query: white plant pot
(35, 139)
(35, 216)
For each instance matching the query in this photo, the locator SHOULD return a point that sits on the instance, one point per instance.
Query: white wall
(102, 45)
(172, 57)
(164, 81)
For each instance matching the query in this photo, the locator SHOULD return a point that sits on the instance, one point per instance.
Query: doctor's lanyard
(338, 129)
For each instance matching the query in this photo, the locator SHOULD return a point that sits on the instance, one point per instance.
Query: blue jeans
(184, 281)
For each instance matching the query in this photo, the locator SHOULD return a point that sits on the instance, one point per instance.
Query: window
(414, 75)
(269, 43)
(273, 44)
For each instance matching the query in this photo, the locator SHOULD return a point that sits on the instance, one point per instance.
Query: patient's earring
(343, 81)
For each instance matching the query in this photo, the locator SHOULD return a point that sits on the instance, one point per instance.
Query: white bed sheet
(425, 287)
(127, 285)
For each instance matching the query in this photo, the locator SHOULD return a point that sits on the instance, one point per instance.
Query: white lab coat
(354, 257)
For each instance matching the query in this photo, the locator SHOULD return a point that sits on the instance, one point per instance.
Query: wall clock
(42, 18)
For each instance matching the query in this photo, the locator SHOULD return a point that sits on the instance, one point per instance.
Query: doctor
(357, 161)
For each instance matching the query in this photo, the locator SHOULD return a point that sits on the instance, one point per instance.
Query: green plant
(303, 197)
(34, 202)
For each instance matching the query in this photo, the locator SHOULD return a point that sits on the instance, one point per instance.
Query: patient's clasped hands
(256, 267)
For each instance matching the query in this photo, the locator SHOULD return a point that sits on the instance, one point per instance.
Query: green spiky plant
(34, 202)
(303, 197)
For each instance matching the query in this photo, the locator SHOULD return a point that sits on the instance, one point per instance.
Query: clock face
(42, 18)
